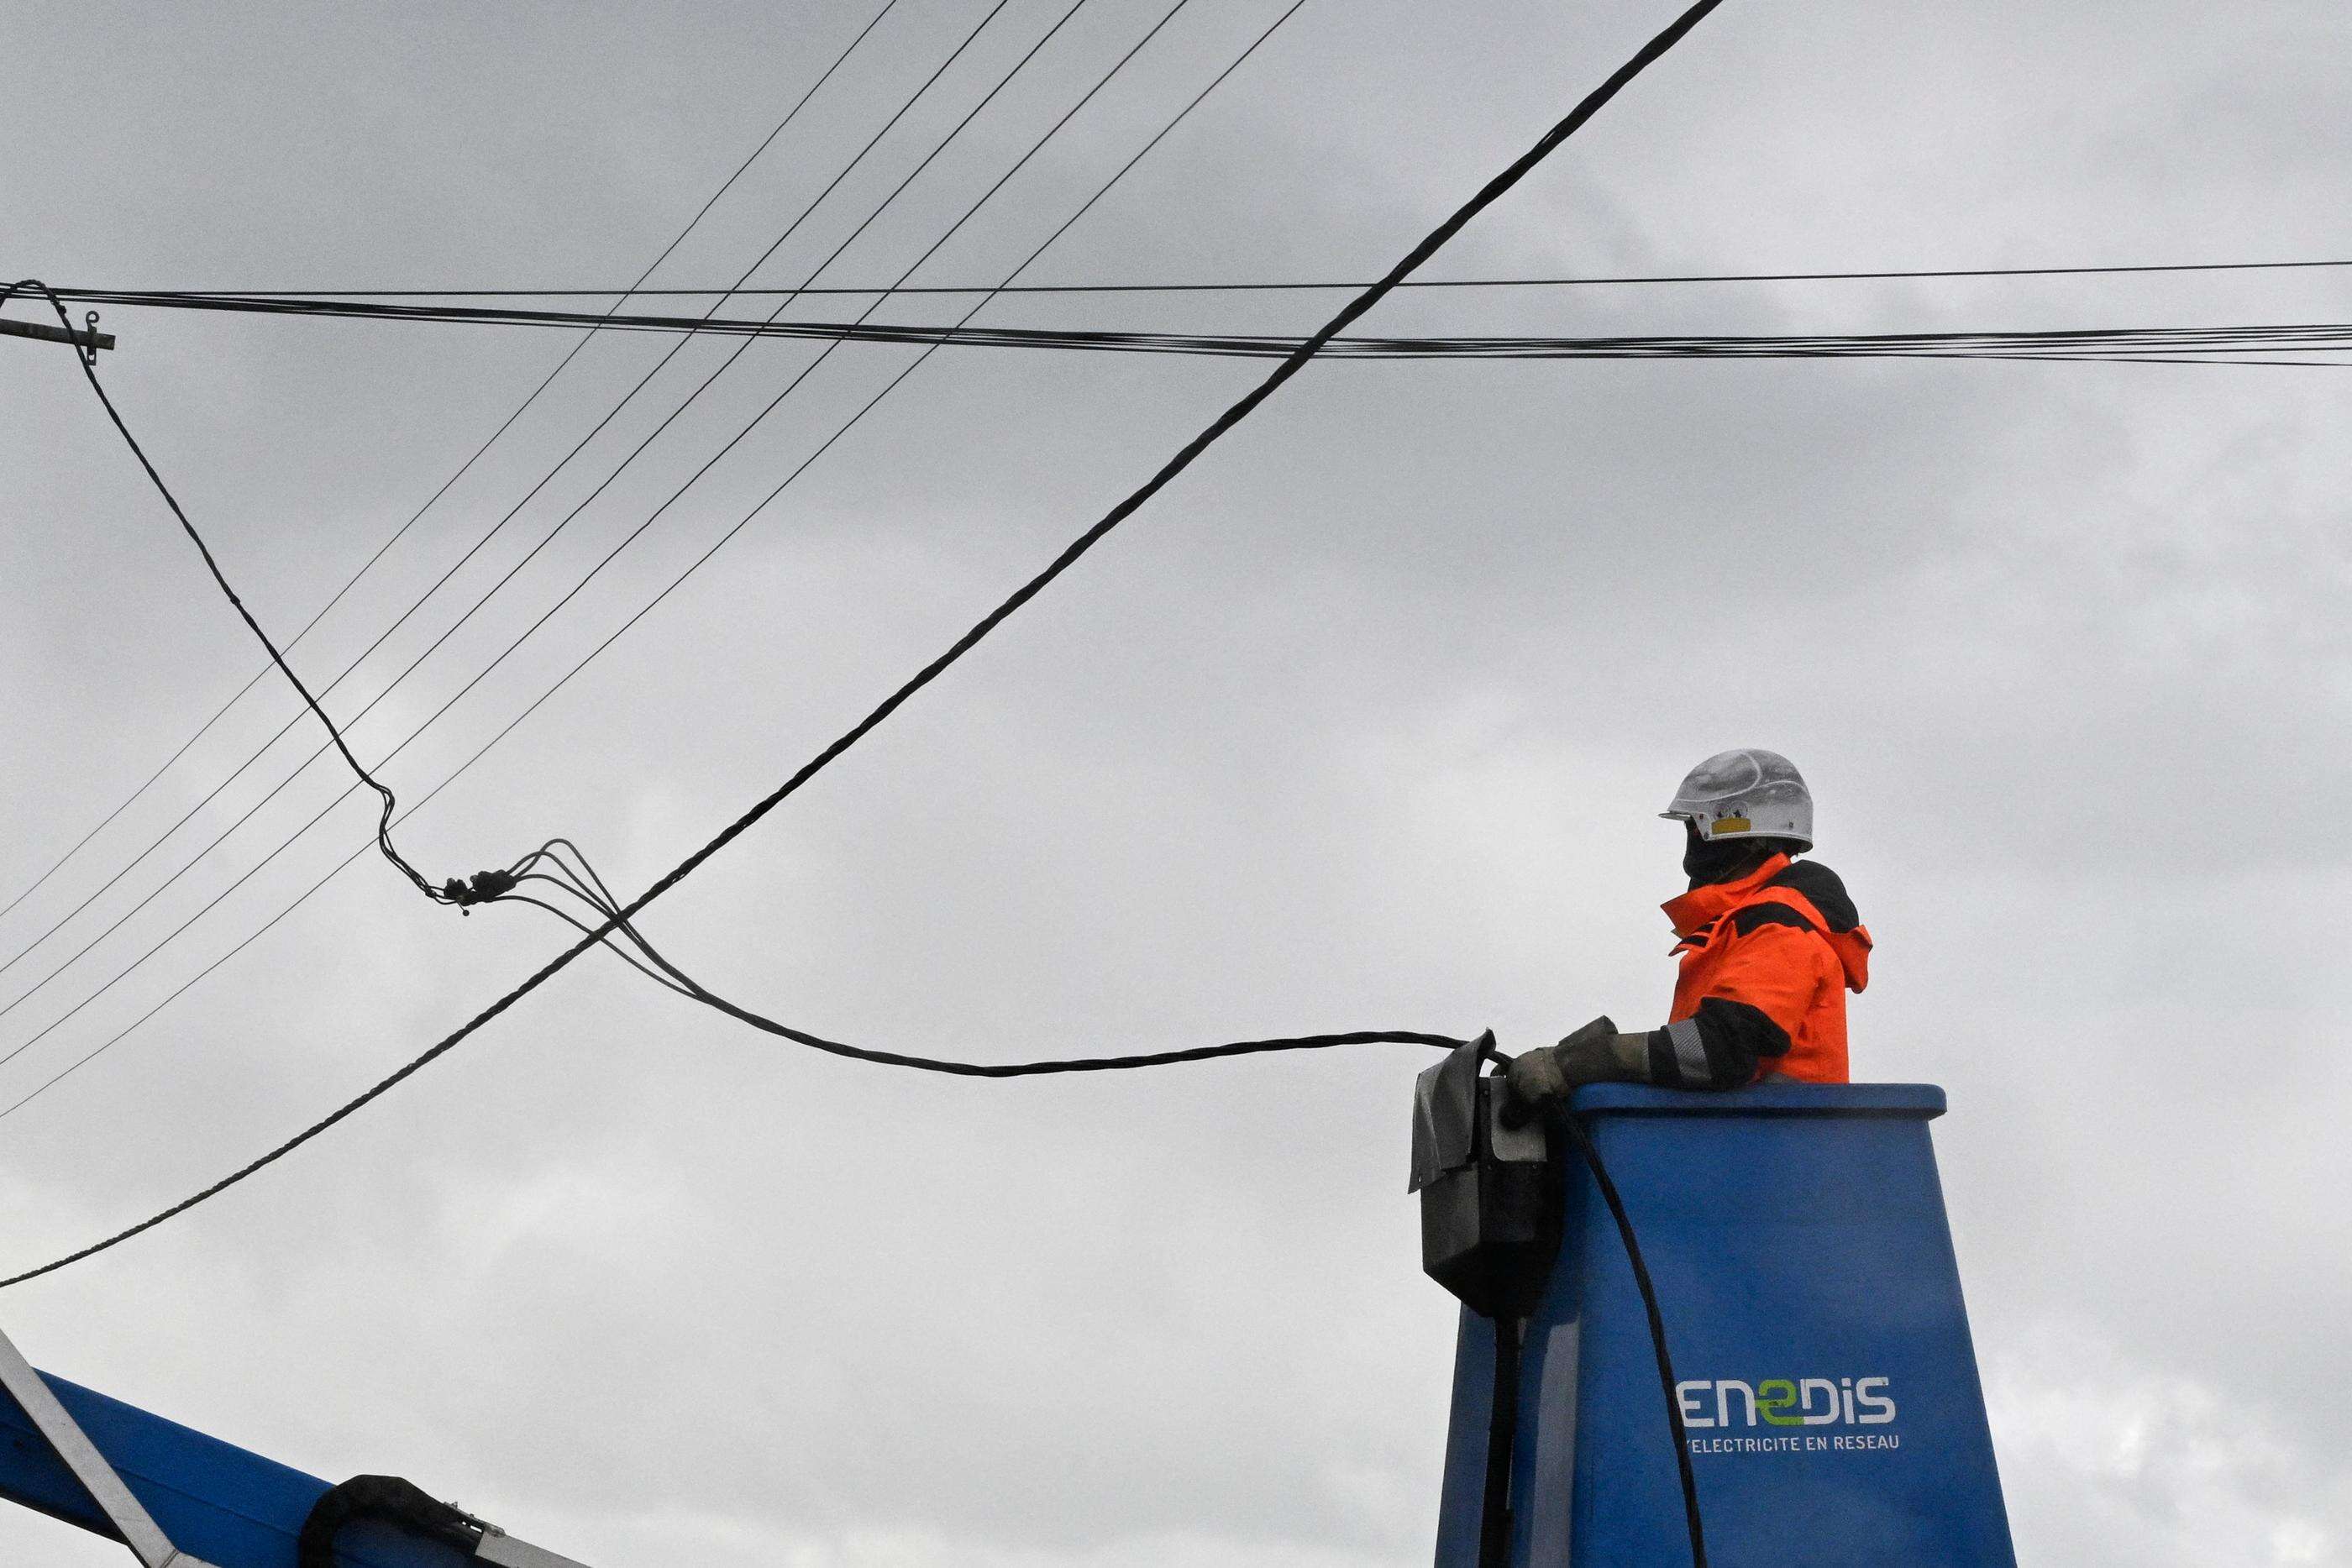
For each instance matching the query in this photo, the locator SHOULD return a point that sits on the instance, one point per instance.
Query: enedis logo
(1788, 1402)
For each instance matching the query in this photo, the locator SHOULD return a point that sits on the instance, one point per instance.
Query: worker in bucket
(1770, 946)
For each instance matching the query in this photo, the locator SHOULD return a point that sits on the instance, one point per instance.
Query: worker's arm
(1745, 1022)
(1727, 1044)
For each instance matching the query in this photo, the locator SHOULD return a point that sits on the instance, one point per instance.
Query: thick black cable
(1486, 197)
(1502, 1440)
(577, 877)
(1503, 1387)
(1487, 194)
(1077, 1064)
(486, 885)
(647, 970)
(1291, 286)
(615, 919)
(466, 894)
(463, 469)
(1574, 1127)
(619, 920)
(582, 664)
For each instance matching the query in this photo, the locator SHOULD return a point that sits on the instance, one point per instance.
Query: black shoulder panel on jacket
(1821, 884)
(1749, 916)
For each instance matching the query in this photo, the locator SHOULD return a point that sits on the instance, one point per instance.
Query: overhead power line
(699, 561)
(493, 883)
(463, 469)
(1077, 549)
(140, 295)
(2084, 342)
(487, 884)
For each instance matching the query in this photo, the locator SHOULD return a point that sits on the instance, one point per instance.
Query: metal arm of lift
(169, 1493)
(147, 1542)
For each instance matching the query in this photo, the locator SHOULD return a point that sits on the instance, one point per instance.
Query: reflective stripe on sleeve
(1690, 1054)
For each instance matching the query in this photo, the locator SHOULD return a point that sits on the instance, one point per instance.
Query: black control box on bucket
(1489, 1204)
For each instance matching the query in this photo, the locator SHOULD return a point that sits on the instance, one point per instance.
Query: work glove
(1545, 1076)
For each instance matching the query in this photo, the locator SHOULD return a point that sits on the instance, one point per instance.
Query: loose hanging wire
(463, 469)
(491, 884)
(1185, 457)
(576, 877)
(488, 884)
(473, 890)
(511, 512)
(1101, 191)
(453, 892)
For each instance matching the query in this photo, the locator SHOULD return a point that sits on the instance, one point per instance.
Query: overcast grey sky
(1360, 724)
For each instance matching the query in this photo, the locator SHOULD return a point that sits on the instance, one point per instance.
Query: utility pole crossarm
(89, 341)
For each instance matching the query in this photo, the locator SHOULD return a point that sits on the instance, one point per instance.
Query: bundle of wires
(2261, 343)
(560, 867)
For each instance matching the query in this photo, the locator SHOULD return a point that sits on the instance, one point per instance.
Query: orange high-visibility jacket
(1782, 942)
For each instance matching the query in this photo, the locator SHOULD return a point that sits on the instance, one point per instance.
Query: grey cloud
(1362, 723)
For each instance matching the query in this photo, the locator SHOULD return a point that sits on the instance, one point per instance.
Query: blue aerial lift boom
(179, 1499)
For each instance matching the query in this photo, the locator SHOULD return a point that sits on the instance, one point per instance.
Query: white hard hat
(1746, 794)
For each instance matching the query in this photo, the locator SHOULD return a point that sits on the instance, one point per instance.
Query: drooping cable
(486, 885)
(463, 469)
(614, 921)
(383, 819)
(1101, 192)
(1487, 196)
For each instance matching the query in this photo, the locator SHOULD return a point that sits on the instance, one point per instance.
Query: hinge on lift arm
(252, 1511)
(405, 1506)
(140, 1532)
